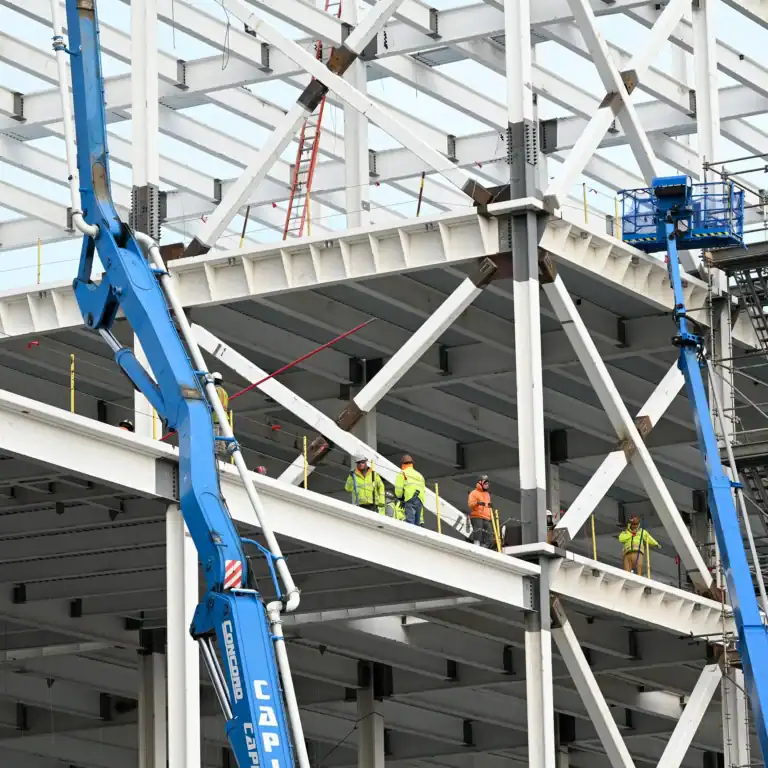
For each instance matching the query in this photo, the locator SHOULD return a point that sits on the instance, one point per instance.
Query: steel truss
(406, 40)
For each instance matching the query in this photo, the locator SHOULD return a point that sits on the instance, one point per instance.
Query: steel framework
(518, 212)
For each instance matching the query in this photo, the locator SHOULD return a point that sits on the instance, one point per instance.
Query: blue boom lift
(252, 680)
(675, 214)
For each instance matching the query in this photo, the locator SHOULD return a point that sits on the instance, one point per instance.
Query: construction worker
(221, 446)
(365, 486)
(127, 425)
(633, 540)
(411, 490)
(480, 512)
(392, 508)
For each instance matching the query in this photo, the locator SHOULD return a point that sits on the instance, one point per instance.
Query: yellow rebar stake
(232, 427)
(154, 424)
(437, 508)
(498, 529)
(306, 467)
(647, 559)
(39, 258)
(72, 383)
(594, 540)
(586, 211)
(309, 230)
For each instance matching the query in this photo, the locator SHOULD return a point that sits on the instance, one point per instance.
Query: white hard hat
(360, 457)
(217, 376)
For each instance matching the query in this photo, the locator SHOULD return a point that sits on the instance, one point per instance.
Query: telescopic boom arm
(249, 669)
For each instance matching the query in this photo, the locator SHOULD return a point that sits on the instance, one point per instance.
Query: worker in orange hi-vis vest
(480, 513)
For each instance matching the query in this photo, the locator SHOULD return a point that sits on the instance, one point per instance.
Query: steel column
(152, 723)
(356, 176)
(181, 651)
(706, 74)
(539, 689)
(370, 743)
(735, 715)
(521, 237)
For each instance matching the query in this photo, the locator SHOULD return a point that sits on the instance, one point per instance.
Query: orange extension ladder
(297, 217)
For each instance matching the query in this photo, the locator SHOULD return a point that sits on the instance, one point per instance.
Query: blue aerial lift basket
(708, 215)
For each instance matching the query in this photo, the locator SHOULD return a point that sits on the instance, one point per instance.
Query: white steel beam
(693, 714)
(617, 87)
(116, 457)
(615, 463)
(315, 419)
(237, 195)
(626, 430)
(586, 684)
(590, 140)
(329, 81)
(430, 242)
(592, 583)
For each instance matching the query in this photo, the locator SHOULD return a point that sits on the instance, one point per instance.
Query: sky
(59, 261)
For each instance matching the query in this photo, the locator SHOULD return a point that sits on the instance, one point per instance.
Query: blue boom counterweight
(251, 677)
(673, 215)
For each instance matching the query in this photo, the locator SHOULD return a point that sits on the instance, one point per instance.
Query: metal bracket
(18, 107)
(372, 163)
(181, 75)
(265, 58)
(451, 148)
(434, 21)
(548, 136)
(145, 210)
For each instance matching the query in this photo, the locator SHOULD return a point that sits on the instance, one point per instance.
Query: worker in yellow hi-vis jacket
(221, 446)
(411, 490)
(633, 540)
(365, 486)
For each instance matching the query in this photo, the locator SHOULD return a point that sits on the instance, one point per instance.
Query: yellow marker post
(617, 226)
(437, 508)
(586, 211)
(306, 466)
(309, 231)
(498, 529)
(154, 424)
(647, 559)
(39, 259)
(594, 540)
(72, 383)
(232, 427)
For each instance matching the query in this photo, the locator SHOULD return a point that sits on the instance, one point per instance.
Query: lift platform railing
(711, 216)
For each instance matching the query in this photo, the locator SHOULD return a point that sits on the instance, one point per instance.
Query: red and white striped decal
(233, 574)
